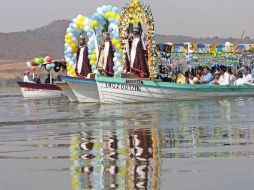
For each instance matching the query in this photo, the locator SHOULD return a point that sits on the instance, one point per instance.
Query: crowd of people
(220, 75)
(37, 79)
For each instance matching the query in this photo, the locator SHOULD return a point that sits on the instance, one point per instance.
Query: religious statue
(106, 56)
(135, 48)
(83, 68)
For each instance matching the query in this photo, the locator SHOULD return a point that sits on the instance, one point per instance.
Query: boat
(34, 91)
(84, 89)
(67, 91)
(125, 90)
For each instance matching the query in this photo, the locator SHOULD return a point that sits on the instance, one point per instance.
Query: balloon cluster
(71, 42)
(110, 17)
(40, 61)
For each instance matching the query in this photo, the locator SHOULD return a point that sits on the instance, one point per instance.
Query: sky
(197, 18)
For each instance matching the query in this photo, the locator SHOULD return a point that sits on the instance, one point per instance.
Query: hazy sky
(199, 18)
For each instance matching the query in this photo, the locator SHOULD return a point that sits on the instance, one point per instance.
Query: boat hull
(39, 91)
(67, 91)
(85, 90)
(113, 90)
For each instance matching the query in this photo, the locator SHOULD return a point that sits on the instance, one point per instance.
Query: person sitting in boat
(246, 76)
(58, 78)
(224, 76)
(216, 79)
(232, 77)
(192, 78)
(199, 74)
(47, 80)
(137, 56)
(207, 77)
(27, 77)
(37, 79)
(83, 68)
(106, 56)
(181, 78)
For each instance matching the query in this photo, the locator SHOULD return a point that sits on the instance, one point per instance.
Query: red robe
(83, 68)
(137, 59)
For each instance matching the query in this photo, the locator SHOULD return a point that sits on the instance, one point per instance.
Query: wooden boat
(124, 90)
(67, 91)
(84, 89)
(33, 90)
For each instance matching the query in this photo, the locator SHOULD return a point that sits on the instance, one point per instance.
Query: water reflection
(132, 158)
(119, 159)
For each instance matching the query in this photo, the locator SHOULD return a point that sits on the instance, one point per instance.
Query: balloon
(32, 63)
(93, 57)
(48, 67)
(47, 59)
(41, 60)
(52, 65)
(29, 64)
(33, 68)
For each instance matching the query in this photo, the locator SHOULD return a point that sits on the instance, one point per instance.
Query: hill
(49, 40)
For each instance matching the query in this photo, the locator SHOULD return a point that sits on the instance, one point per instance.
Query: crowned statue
(106, 56)
(136, 56)
(83, 68)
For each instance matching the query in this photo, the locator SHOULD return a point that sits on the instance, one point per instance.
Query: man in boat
(206, 77)
(83, 68)
(37, 79)
(224, 76)
(27, 77)
(106, 56)
(137, 59)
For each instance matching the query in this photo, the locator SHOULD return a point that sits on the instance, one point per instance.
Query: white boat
(39, 91)
(124, 90)
(84, 89)
(67, 91)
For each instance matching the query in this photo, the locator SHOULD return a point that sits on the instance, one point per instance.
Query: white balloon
(79, 16)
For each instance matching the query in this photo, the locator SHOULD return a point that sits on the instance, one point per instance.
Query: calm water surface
(54, 144)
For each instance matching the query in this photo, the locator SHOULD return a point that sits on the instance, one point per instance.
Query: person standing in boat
(137, 55)
(83, 68)
(106, 56)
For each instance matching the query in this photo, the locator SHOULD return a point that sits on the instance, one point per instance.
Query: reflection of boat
(33, 90)
(123, 90)
(84, 89)
(67, 91)
(118, 159)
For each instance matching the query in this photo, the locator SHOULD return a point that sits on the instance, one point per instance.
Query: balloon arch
(117, 25)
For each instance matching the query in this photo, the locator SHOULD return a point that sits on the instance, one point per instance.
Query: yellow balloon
(107, 15)
(93, 57)
(118, 46)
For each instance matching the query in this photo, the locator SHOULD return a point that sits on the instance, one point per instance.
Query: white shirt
(28, 79)
(191, 81)
(224, 79)
(247, 79)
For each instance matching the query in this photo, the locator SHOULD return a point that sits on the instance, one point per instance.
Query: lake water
(54, 144)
